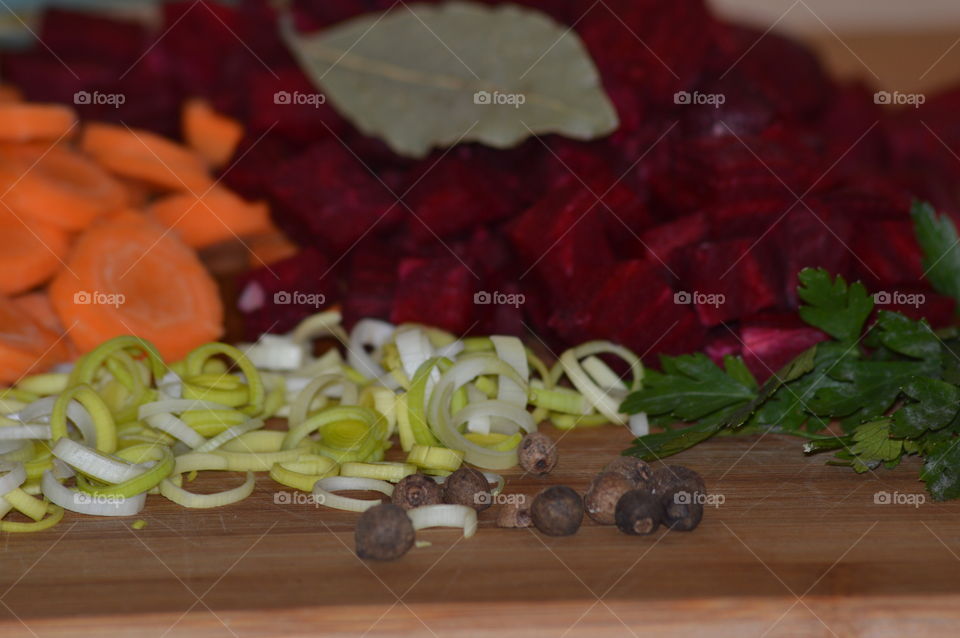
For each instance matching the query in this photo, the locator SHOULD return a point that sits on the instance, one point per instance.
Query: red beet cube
(662, 240)
(887, 254)
(326, 194)
(772, 341)
(439, 292)
(726, 280)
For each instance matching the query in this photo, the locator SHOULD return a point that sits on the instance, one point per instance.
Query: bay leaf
(426, 76)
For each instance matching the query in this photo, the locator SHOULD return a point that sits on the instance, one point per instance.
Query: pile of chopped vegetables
(98, 436)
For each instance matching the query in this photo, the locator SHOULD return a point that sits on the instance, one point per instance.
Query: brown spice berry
(384, 532)
(681, 492)
(557, 511)
(469, 487)
(632, 469)
(416, 490)
(600, 501)
(515, 513)
(639, 512)
(537, 452)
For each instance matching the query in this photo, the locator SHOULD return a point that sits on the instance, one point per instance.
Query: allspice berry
(557, 511)
(681, 492)
(515, 513)
(631, 468)
(639, 512)
(416, 490)
(384, 532)
(469, 487)
(537, 453)
(600, 501)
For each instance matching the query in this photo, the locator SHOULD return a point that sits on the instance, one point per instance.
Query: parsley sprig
(892, 388)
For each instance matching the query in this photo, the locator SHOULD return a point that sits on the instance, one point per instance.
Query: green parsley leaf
(934, 405)
(937, 237)
(832, 306)
(941, 469)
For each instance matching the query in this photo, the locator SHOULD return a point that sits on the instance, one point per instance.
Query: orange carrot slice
(30, 251)
(26, 346)
(22, 122)
(214, 135)
(147, 156)
(37, 306)
(134, 277)
(57, 185)
(9, 93)
(216, 216)
(270, 248)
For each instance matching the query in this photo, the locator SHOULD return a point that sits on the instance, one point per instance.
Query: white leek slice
(445, 516)
(511, 350)
(499, 410)
(95, 464)
(15, 476)
(322, 324)
(414, 348)
(603, 402)
(29, 431)
(441, 421)
(176, 428)
(177, 406)
(276, 352)
(369, 333)
(638, 424)
(182, 497)
(229, 434)
(323, 492)
(92, 504)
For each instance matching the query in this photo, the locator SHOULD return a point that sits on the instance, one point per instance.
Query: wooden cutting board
(796, 548)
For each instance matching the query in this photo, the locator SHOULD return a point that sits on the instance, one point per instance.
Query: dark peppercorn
(600, 501)
(632, 469)
(639, 512)
(384, 532)
(416, 490)
(537, 453)
(557, 511)
(681, 492)
(469, 487)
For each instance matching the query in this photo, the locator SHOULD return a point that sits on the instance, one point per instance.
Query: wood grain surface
(796, 548)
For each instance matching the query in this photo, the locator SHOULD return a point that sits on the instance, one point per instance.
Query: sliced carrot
(134, 277)
(146, 156)
(214, 135)
(57, 185)
(270, 248)
(216, 216)
(22, 122)
(26, 346)
(139, 193)
(39, 307)
(30, 251)
(9, 93)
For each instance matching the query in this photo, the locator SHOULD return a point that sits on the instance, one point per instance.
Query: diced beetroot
(325, 194)
(656, 46)
(713, 170)
(748, 218)
(273, 105)
(562, 238)
(726, 280)
(762, 57)
(251, 169)
(81, 35)
(722, 341)
(490, 256)
(771, 341)
(887, 254)
(744, 111)
(371, 281)
(275, 299)
(466, 188)
(439, 292)
(844, 127)
(635, 307)
(815, 237)
(661, 241)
